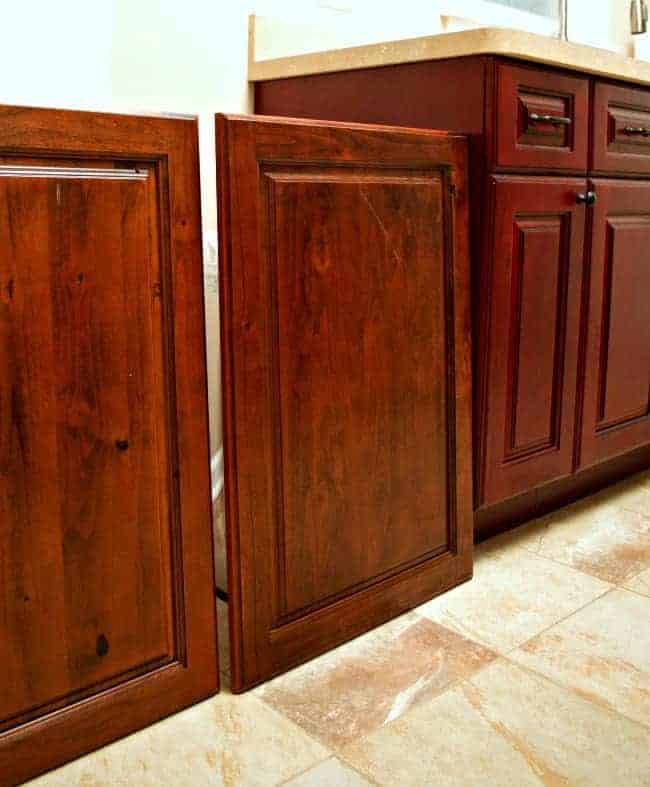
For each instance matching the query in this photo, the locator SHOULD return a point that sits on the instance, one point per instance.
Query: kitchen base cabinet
(560, 327)
(344, 272)
(107, 615)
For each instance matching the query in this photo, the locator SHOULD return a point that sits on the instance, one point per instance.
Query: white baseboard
(216, 470)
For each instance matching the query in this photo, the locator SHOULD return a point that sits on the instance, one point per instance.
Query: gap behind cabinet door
(347, 396)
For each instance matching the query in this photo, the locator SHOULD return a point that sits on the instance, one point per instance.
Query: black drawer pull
(555, 120)
(640, 130)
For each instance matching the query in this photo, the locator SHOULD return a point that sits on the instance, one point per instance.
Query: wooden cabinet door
(530, 368)
(616, 409)
(107, 618)
(346, 349)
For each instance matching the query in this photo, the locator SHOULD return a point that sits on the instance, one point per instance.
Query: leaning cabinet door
(616, 411)
(106, 600)
(530, 369)
(344, 275)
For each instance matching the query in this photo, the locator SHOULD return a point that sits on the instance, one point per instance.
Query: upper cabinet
(107, 617)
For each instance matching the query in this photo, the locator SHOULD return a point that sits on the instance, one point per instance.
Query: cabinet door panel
(102, 513)
(530, 377)
(616, 411)
(346, 351)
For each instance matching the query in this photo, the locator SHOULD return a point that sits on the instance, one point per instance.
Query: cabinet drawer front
(541, 119)
(533, 334)
(621, 129)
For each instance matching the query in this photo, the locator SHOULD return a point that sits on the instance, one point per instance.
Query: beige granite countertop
(480, 41)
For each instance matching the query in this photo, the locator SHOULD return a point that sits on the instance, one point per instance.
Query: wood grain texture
(344, 276)
(534, 307)
(616, 410)
(620, 129)
(491, 98)
(105, 571)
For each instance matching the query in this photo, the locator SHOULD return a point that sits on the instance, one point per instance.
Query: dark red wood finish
(526, 91)
(621, 130)
(491, 98)
(616, 411)
(107, 616)
(534, 321)
(346, 346)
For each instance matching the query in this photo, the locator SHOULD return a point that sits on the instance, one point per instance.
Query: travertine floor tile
(606, 535)
(639, 583)
(633, 494)
(372, 680)
(223, 741)
(603, 652)
(331, 773)
(506, 726)
(513, 596)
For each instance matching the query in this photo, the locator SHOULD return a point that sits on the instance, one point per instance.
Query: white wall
(56, 53)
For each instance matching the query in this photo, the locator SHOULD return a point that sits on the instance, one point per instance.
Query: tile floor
(535, 673)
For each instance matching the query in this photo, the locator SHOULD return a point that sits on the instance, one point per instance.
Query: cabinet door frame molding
(61, 144)
(263, 164)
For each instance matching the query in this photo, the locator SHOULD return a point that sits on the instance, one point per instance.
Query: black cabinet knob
(587, 197)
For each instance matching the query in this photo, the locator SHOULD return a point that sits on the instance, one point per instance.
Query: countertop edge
(480, 41)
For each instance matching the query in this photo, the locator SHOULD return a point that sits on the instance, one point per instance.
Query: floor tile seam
(304, 771)
(593, 699)
(313, 738)
(558, 562)
(557, 622)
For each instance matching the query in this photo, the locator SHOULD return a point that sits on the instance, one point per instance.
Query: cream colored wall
(188, 57)
(56, 54)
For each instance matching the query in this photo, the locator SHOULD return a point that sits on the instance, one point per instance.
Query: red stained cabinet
(347, 392)
(616, 415)
(107, 614)
(534, 319)
(560, 273)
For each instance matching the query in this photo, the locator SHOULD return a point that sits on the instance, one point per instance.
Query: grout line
(354, 767)
(305, 770)
(594, 699)
(282, 715)
(558, 621)
(634, 592)
(567, 565)
(496, 648)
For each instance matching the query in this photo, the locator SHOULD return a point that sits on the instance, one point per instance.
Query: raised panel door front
(616, 409)
(533, 323)
(106, 597)
(347, 394)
